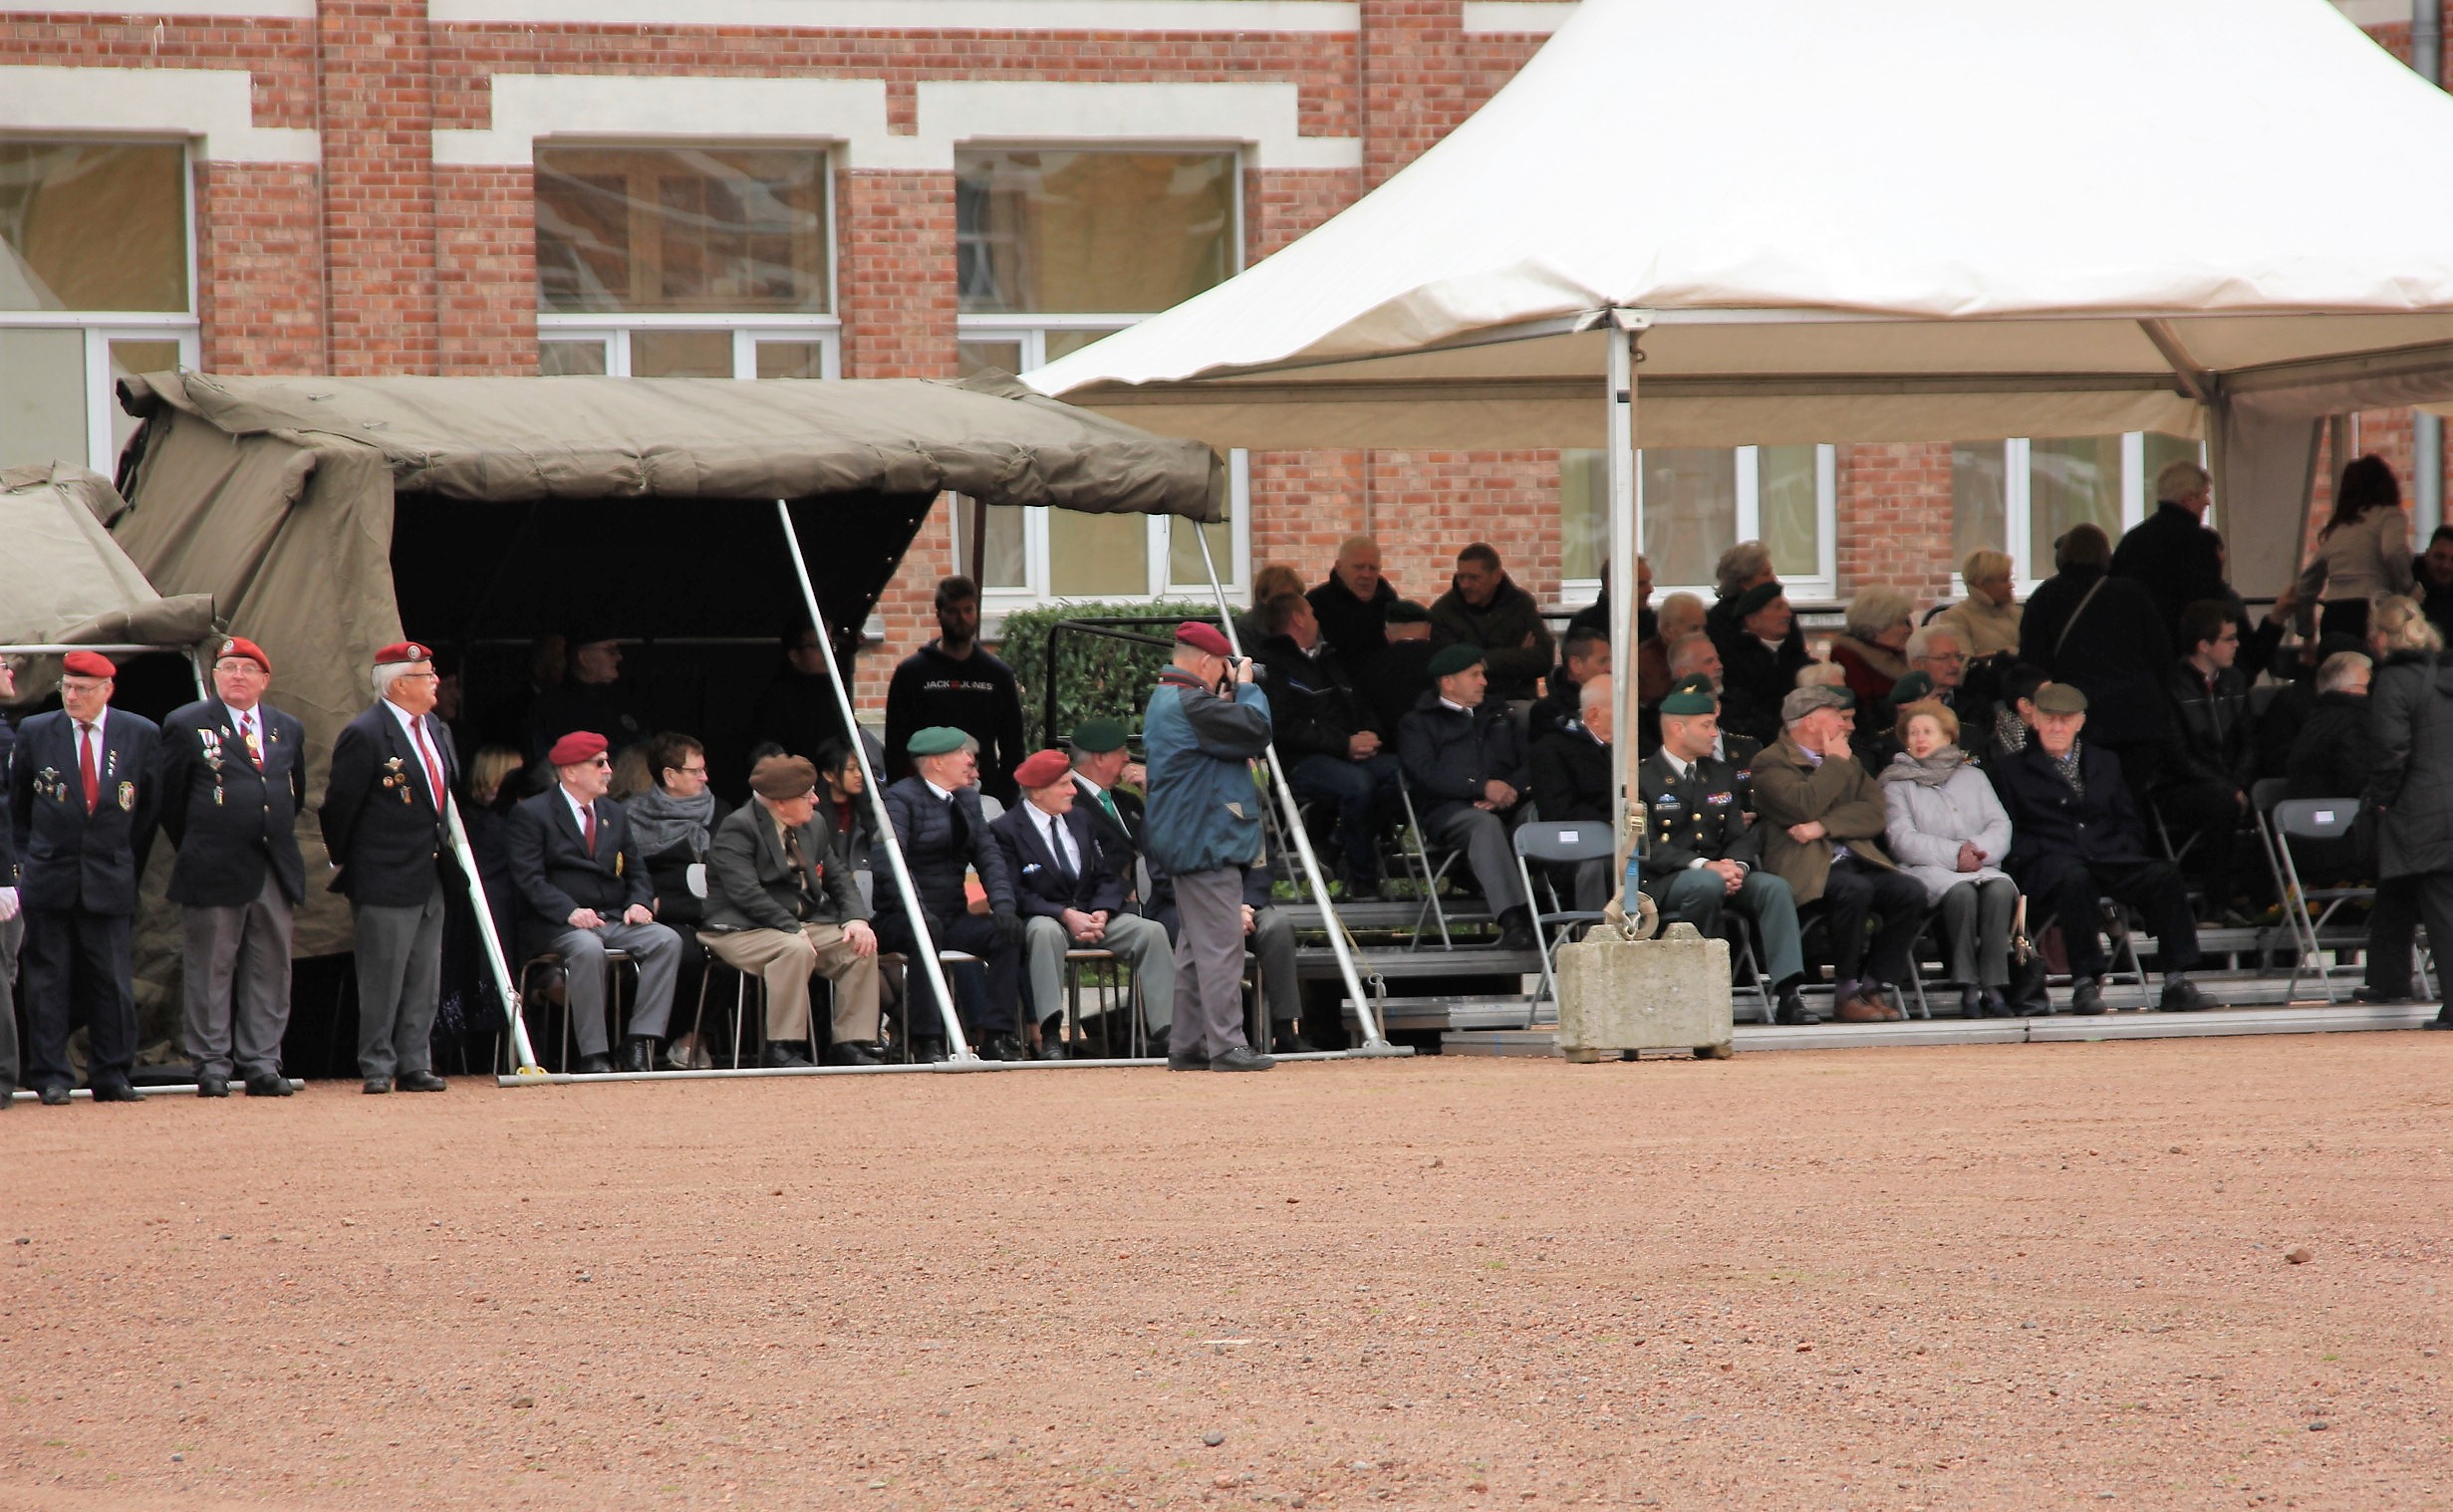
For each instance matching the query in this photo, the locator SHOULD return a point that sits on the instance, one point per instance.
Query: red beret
(240, 646)
(1042, 769)
(576, 747)
(1203, 638)
(402, 651)
(88, 665)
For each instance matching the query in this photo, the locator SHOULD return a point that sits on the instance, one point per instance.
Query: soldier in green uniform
(1699, 852)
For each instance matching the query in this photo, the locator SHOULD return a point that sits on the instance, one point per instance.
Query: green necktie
(1109, 803)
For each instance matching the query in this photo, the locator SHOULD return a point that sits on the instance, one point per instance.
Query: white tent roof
(1874, 220)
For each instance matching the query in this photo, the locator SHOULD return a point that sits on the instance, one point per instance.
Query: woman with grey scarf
(1948, 830)
(673, 822)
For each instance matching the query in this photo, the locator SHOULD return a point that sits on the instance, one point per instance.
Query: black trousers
(76, 971)
(987, 994)
(2065, 889)
(1857, 892)
(2393, 926)
(2210, 811)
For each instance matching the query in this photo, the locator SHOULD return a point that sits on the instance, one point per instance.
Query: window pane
(42, 398)
(1583, 512)
(571, 358)
(655, 230)
(1184, 564)
(681, 353)
(1082, 232)
(128, 359)
(1067, 342)
(791, 359)
(1003, 564)
(1097, 555)
(974, 358)
(1789, 498)
(2071, 482)
(92, 226)
(1690, 511)
(1980, 498)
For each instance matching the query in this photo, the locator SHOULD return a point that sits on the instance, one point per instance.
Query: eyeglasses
(413, 676)
(696, 771)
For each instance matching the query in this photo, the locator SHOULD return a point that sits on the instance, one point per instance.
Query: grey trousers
(1483, 836)
(1273, 945)
(585, 975)
(235, 963)
(12, 933)
(1138, 942)
(400, 984)
(1209, 963)
(1975, 929)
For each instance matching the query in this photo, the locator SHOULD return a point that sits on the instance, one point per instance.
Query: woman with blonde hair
(1872, 648)
(2410, 714)
(1988, 619)
(1948, 830)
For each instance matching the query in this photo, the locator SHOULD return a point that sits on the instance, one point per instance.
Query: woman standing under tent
(2363, 551)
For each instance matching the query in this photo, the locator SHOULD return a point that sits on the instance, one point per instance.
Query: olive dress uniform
(1698, 814)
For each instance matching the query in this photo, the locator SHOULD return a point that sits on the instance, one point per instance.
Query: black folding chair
(2313, 820)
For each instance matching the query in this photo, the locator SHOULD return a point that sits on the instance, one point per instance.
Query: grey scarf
(662, 821)
(2070, 769)
(1932, 772)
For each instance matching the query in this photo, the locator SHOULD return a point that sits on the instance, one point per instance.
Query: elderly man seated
(1573, 778)
(1468, 774)
(783, 901)
(1823, 818)
(1700, 854)
(944, 833)
(2076, 838)
(1072, 897)
(586, 889)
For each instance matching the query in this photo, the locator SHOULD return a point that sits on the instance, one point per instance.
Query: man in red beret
(585, 889)
(234, 776)
(393, 768)
(82, 805)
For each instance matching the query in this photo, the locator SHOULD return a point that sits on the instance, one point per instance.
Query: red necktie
(433, 768)
(87, 769)
(246, 733)
(587, 826)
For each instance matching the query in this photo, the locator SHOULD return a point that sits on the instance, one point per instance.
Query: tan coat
(1984, 627)
(1790, 790)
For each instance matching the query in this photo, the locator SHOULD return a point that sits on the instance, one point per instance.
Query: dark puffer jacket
(2216, 739)
(2411, 707)
(1449, 755)
(938, 856)
(1499, 630)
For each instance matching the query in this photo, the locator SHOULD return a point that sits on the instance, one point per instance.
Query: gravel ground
(2177, 1273)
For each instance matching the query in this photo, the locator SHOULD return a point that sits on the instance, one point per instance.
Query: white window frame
(1819, 585)
(2016, 498)
(101, 327)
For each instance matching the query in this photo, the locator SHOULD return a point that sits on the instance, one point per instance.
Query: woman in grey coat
(2410, 792)
(1947, 830)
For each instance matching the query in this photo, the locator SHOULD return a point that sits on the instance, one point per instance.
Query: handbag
(2026, 992)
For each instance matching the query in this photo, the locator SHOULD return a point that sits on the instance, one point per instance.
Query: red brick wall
(1894, 519)
(486, 271)
(259, 267)
(377, 99)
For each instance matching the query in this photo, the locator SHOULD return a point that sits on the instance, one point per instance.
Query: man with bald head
(1352, 606)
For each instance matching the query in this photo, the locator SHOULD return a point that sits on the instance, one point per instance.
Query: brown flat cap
(2060, 698)
(1802, 701)
(781, 777)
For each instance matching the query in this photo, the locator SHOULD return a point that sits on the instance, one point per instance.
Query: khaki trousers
(784, 958)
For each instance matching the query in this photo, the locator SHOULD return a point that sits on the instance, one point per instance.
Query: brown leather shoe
(1861, 1010)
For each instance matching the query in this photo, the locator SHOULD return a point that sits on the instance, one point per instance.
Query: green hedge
(1095, 674)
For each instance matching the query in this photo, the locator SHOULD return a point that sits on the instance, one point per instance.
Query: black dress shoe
(1241, 1057)
(2380, 996)
(928, 1052)
(639, 1053)
(2183, 996)
(1187, 1060)
(784, 1054)
(1002, 1046)
(52, 1097)
(116, 1092)
(2442, 1020)
(853, 1053)
(422, 1081)
(212, 1086)
(377, 1086)
(2085, 996)
(1053, 1048)
(1515, 932)
(269, 1084)
(589, 1066)
(1792, 1010)
(1292, 1042)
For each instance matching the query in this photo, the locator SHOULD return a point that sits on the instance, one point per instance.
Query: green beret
(936, 740)
(1753, 598)
(1691, 695)
(1097, 737)
(1454, 660)
(1407, 612)
(1910, 688)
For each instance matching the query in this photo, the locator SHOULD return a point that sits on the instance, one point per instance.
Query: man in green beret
(1469, 773)
(945, 833)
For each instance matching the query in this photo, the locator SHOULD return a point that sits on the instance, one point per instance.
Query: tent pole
(501, 973)
(1625, 534)
(1373, 1039)
(924, 943)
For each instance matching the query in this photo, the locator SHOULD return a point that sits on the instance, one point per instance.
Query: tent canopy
(65, 582)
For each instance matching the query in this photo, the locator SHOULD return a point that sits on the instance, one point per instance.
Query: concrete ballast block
(1670, 993)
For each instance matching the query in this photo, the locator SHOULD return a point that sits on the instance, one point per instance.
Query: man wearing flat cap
(1701, 852)
(83, 806)
(2075, 837)
(1469, 773)
(783, 901)
(1823, 818)
(233, 773)
(1073, 898)
(384, 823)
(1760, 652)
(585, 889)
(1206, 727)
(943, 834)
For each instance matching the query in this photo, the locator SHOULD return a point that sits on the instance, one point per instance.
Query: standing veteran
(782, 903)
(12, 919)
(586, 889)
(943, 831)
(234, 776)
(1072, 896)
(82, 803)
(384, 824)
(1699, 853)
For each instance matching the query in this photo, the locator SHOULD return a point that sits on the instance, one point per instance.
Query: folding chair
(617, 1018)
(1559, 842)
(1420, 870)
(2308, 820)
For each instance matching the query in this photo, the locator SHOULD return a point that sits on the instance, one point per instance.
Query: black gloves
(1009, 925)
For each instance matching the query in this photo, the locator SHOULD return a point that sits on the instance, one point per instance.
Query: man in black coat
(798, 710)
(1760, 657)
(1101, 761)
(2204, 790)
(234, 777)
(1329, 735)
(585, 889)
(1486, 611)
(2171, 554)
(2075, 837)
(944, 833)
(2104, 636)
(956, 682)
(83, 804)
(2336, 753)
(593, 698)
(1352, 604)
(384, 823)
(1468, 774)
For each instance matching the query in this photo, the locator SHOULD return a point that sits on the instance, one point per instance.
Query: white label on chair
(2324, 816)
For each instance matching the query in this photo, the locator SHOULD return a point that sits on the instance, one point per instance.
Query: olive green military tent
(65, 582)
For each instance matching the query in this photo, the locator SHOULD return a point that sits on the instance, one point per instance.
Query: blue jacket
(556, 875)
(938, 856)
(71, 858)
(1204, 809)
(231, 821)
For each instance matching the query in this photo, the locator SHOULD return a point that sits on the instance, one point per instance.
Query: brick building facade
(434, 186)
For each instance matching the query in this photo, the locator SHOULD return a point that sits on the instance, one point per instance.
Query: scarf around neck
(661, 821)
(1932, 772)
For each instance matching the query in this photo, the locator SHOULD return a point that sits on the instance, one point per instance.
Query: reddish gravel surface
(2016, 1276)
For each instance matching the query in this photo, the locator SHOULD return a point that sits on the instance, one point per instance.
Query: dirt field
(1991, 1277)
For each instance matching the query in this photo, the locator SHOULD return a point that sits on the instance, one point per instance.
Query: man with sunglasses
(586, 889)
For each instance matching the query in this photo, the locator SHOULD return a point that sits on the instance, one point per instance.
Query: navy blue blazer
(230, 821)
(385, 834)
(66, 858)
(556, 875)
(1038, 886)
(8, 831)
(938, 856)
